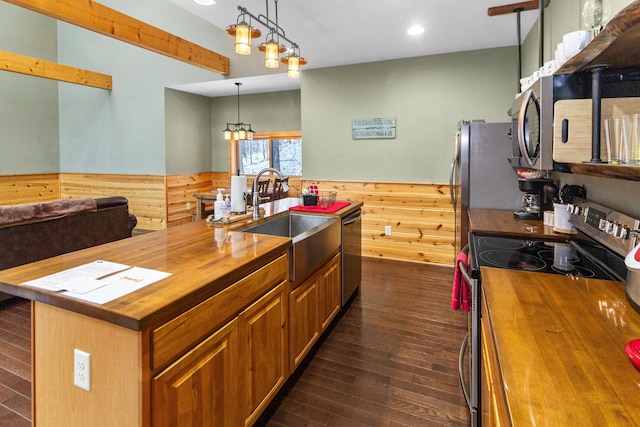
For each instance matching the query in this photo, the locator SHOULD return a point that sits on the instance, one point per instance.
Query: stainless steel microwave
(532, 130)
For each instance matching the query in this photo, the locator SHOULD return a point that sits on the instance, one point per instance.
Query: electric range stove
(597, 251)
(578, 257)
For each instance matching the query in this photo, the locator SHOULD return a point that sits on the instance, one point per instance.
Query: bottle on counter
(219, 206)
(227, 207)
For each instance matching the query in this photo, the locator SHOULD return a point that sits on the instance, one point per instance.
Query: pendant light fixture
(244, 32)
(272, 49)
(293, 61)
(238, 131)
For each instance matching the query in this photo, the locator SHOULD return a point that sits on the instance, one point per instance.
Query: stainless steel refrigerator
(481, 175)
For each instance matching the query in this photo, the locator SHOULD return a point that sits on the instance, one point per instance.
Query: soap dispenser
(219, 206)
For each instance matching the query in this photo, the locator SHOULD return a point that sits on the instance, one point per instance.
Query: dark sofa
(37, 231)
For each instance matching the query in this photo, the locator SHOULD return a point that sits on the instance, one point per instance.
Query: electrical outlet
(188, 206)
(387, 230)
(82, 369)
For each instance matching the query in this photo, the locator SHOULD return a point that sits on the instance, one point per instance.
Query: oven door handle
(463, 350)
(462, 267)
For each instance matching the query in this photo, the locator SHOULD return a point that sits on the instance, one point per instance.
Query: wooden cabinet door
(200, 389)
(263, 356)
(330, 292)
(303, 320)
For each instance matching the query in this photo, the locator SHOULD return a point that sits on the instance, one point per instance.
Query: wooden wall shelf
(631, 173)
(613, 47)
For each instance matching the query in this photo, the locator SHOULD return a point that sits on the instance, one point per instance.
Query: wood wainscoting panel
(221, 180)
(420, 215)
(32, 188)
(146, 194)
(180, 191)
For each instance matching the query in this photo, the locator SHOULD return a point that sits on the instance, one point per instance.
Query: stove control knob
(610, 227)
(614, 229)
(622, 232)
(602, 224)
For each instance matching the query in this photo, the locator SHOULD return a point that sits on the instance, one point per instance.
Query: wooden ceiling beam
(511, 8)
(52, 70)
(109, 22)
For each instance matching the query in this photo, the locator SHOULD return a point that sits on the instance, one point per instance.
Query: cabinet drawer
(182, 333)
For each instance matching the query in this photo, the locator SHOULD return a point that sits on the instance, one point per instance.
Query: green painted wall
(188, 133)
(123, 131)
(140, 127)
(29, 140)
(426, 95)
(273, 111)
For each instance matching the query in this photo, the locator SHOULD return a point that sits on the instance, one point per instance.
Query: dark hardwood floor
(15, 363)
(391, 359)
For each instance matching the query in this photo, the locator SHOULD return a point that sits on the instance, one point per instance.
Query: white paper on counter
(119, 285)
(93, 270)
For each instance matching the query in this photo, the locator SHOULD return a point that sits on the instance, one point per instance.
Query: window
(280, 150)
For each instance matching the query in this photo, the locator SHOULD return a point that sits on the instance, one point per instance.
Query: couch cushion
(37, 212)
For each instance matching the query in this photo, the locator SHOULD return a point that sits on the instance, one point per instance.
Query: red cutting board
(331, 209)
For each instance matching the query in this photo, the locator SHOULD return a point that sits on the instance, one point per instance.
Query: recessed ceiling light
(415, 30)
(205, 2)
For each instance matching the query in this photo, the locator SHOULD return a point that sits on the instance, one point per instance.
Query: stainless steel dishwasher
(351, 254)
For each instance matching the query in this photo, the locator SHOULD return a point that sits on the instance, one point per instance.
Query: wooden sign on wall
(376, 128)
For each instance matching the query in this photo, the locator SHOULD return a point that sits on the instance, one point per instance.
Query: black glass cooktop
(570, 258)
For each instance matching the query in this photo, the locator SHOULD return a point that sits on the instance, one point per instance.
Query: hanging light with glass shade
(238, 131)
(243, 32)
(294, 61)
(272, 48)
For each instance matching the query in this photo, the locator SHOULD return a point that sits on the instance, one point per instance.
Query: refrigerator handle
(453, 169)
(454, 201)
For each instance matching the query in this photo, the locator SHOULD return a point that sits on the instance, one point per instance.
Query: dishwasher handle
(352, 219)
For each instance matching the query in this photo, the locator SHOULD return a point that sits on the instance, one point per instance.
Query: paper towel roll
(238, 187)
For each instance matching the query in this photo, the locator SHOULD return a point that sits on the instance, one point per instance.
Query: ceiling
(341, 32)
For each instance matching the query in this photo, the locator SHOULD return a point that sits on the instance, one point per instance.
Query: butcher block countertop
(497, 221)
(202, 259)
(560, 344)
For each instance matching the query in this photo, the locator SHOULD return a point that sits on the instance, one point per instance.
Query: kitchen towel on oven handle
(460, 287)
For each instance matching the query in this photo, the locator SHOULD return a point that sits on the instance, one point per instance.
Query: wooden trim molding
(109, 22)
(51, 70)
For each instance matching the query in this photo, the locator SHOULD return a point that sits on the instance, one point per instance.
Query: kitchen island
(208, 344)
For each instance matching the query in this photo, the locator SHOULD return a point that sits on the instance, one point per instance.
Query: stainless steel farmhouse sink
(314, 238)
